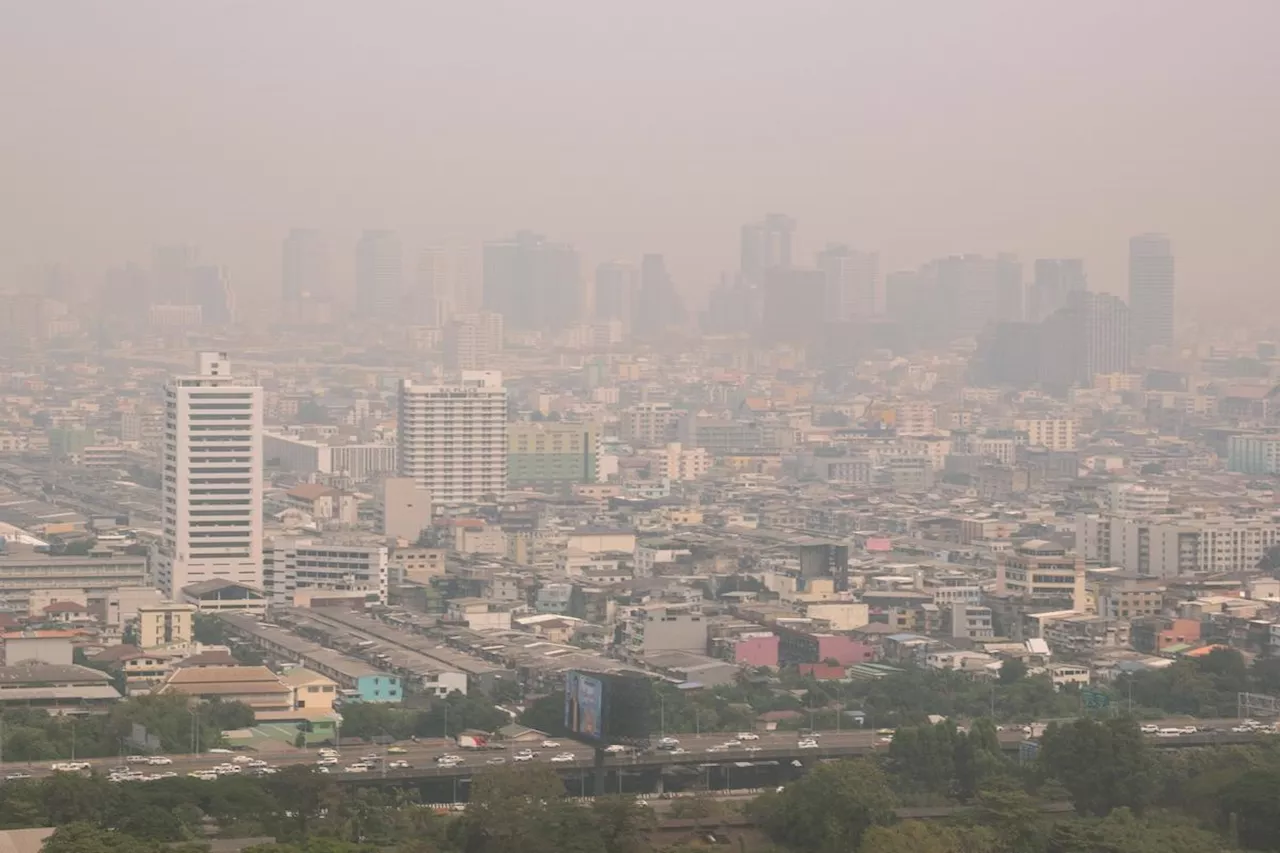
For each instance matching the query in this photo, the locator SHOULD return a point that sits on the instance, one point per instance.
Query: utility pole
(662, 716)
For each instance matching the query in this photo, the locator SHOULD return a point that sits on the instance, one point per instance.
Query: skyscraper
(453, 438)
(170, 267)
(1107, 335)
(210, 288)
(1009, 289)
(534, 284)
(304, 271)
(851, 282)
(658, 307)
(615, 292)
(1151, 291)
(1055, 280)
(212, 487)
(443, 286)
(379, 276)
(473, 341)
(766, 245)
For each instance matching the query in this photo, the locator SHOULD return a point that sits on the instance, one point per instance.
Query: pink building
(757, 649)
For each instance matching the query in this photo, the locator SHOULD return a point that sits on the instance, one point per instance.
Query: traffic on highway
(442, 755)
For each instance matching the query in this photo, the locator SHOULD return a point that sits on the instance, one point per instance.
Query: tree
(83, 837)
(1253, 801)
(1103, 765)
(915, 836)
(829, 810)
(301, 792)
(620, 821)
(1012, 670)
(521, 808)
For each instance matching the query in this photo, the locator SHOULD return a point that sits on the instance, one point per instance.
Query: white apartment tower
(212, 479)
(453, 438)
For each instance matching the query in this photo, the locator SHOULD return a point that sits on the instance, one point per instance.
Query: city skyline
(1079, 150)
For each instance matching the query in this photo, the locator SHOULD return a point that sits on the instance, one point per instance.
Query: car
(16, 775)
(668, 743)
(258, 763)
(399, 765)
(679, 750)
(523, 757)
(718, 748)
(753, 748)
(551, 744)
(498, 760)
(326, 761)
(748, 736)
(322, 770)
(1150, 729)
(358, 767)
(562, 757)
(885, 732)
(448, 756)
(242, 759)
(732, 744)
(615, 748)
(137, 759)
(224, 769)
(808, 743)
(218, 751)
(396, 750)
(885, 739)
(373, 756)
(160, 761)
(203, 775)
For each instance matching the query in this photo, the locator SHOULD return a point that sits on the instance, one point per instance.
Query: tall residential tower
(212, 488)
(1151, 291)
(453, 438)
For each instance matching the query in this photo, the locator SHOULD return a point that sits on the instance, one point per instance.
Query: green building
(548, 453)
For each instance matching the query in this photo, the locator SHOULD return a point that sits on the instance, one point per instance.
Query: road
(422, 755)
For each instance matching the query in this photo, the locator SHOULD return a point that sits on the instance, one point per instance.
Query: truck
(473, 742)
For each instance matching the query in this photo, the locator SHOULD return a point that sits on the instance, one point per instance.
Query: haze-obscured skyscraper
(1107, 335)
(617, 283)
(534, 284)
(379, 276)
(851, 283)
(766, 245)
(1151, 291)
(1055, 280)
(170, 268)
(443, 286)
(473, 341)
(212, 490)
(658, 307)
(304, 272)
(210, 288)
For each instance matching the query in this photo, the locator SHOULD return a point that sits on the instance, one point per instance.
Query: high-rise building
(212, 479)
(615, 292)
(851, 283)
(473, 341)
(210, 288)
(534, 284)
(766, 245)
(1055, 280)
(549, 453)
(379, 275)
(304, 272)
(453, 438)
(1151, 291)
(443, 285)
(969, 288)
(658, 307)
(1107, 329)
(1009, 289)
(170, 266)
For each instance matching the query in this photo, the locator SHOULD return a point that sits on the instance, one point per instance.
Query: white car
(615, 748)
(16, 775)
(496, 761)
(160, 761)
(523, 756)
(399, 765)
(242, 759)
(679, 750)
(322, 770)
(550, 744)
(562, 757)
(808, 743)
(203, 775)
(326, 761)
(358, 767)
(137, 759)
(752, 749)
(258, 763)
(668, 743)
(719, 748)
(748, 736)
(732, 744)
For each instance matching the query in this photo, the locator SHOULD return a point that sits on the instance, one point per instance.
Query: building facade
(453, 438)
(212, 479)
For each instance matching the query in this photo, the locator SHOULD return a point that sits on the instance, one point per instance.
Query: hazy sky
(914, 128)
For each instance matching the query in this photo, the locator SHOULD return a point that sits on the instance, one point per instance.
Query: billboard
(584, 705)
(611, 708)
